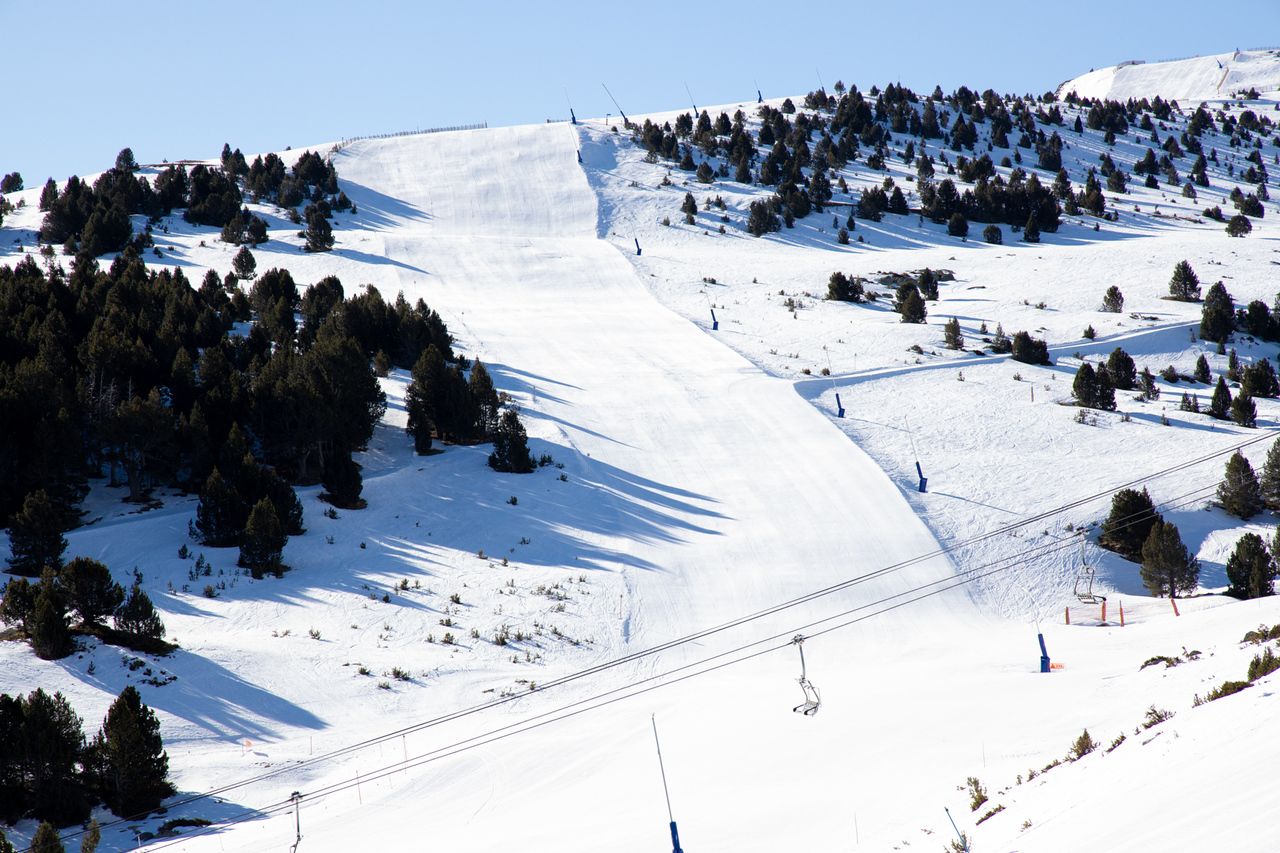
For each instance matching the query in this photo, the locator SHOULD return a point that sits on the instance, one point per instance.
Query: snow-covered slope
(1188, 81)
(703, 480)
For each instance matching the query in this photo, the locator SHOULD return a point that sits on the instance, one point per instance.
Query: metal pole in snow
(675, 835)
(959, 835)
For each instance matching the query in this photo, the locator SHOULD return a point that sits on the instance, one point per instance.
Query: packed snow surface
(1188, 81)
(698, 476)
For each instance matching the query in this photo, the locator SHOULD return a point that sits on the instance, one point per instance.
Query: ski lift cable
(646, 685)
(689, 638)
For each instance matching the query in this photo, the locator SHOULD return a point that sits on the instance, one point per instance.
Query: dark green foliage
(262, 545)
(1085, 386)
(1243, 411)
(213, 197)
(1029, 350)
(1217, 319)
(952, 335)
(1239, 226)
(342, 482)
(1113, 300)
(484, 398)
(129, 764)
(1251, 571)
(91, 592)
(1168, 568)
(843, 288)
(424, 397)
(928, 284)
(910, 304)
(1106, 393)
(1184, 285)
(1031, 231)
(137, 617)
(244, 265)
(1147, 387)
(1220, 403)
(1269, 481)
(46, 839)
(1259, 380)
(510, 446)
(957, 225)
(35, 536)
(52, 741)
(318, 233)
(19, 599)
(761, 219)
(1129, 523)
(1239, 492)
(993, 235)
(11, 183)
(221, 512)
(1202, 374)
(1122, 369)
(47, 626)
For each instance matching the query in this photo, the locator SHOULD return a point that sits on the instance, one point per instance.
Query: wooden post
(1122, 614)
(1066, 611)
(1174, 602)
(1104, 610)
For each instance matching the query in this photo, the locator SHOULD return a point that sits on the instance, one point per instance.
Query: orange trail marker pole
(1104, 610)
(1122, 614)
(1066, 613)
(1174, 602)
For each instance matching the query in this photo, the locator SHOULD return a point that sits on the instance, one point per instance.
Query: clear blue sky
(176, 79)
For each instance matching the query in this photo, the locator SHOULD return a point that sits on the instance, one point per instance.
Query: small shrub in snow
(977, 793)
(1082, 746)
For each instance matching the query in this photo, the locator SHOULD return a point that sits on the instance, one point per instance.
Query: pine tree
(1220, 403)
(1129, 523)
(1167, 566)
(689, 208)
(35, 536)
(510, 446)
(318, 234)
(1123, 371)
(1031, 231)
(47, 626)
(244, 265)
(1217, 318)
(19, 599)
(221, 512)
(485, 397)
(1106, 396)
(1251, 570)
(1243, 411)
(137, 616)
(5, 846)
(262, 545)
(1113, 300)
(951, 334)
(342, 481)
(1147, 386)
(1269, 481)
(46, 840)
(911, 305)
(91, 591)
(928, 284)
(1202, 374)
(1185, 284)
(91, 839)
(1239, 492)
(1085, 386)
(421, 400)
(52, 743)
(129, 759)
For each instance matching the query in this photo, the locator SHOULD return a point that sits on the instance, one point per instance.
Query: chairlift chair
(812, 699)
(1084, 587)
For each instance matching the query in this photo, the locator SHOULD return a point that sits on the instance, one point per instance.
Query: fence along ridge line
(347, 140)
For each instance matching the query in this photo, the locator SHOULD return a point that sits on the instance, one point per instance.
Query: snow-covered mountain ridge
(1188, 81)
(706, 476)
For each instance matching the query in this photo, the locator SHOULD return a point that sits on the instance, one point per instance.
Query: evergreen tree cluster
(134, 374)
(84, 589)
(51, 772)
(1135, 531)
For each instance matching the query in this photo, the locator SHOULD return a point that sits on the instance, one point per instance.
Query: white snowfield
(1188, 81)
(702, 482)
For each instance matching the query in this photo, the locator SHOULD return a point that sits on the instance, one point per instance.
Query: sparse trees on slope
(511, 446)
(1129, 523)
(1184, 285)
